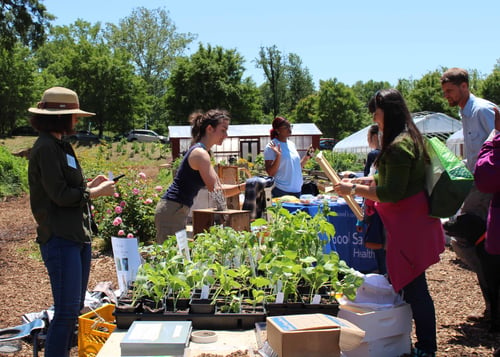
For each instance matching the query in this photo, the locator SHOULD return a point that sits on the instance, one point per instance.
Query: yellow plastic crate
(94, 328)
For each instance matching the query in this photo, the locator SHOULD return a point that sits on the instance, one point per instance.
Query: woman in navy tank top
(195, 172)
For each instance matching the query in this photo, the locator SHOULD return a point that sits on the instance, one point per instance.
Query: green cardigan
(401, 170)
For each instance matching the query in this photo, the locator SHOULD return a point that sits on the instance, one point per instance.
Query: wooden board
(334, 178)
(203, 219)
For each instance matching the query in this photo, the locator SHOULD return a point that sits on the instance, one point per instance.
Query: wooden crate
(203, 219)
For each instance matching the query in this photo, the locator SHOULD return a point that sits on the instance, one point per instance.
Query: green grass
(17, 143)
(117, 157)
(30, 249)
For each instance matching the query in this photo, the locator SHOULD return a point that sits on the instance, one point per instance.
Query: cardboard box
(311, 335)
(156, 338)
(385, 347)
(379, 323)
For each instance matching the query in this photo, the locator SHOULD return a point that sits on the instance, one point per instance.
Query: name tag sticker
(71, 161)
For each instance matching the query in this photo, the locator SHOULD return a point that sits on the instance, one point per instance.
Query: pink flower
(158, 188)
(108, 211)
(130, 235)
(118, 209)
(123, 204)
(117, 221)
(142, 175)
(135, 191)
(116, 195)
(148, 201)
(121, 232)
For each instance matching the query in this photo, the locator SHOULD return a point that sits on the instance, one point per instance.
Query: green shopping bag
(448, 180)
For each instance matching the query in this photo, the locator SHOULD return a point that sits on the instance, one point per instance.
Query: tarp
(429, 124)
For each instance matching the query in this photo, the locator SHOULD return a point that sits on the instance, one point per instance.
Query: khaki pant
(170, 217)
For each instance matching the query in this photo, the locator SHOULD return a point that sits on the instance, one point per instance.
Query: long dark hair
(200, 120)
(397, 119)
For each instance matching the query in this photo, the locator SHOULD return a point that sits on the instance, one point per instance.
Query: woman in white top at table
(282, 160)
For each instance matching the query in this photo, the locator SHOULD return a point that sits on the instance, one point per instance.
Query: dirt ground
(24, 287)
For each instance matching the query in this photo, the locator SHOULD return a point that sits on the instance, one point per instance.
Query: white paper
(182, 243)
(205, 290)
(280, 297)
(127, 260)
(316, 299)
(149, 332)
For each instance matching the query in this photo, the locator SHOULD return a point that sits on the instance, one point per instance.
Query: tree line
(136, 74)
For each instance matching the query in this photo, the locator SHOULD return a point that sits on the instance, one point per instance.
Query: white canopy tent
(456, 143)
(429, 123)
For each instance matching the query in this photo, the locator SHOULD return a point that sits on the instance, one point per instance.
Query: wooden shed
(245, 141)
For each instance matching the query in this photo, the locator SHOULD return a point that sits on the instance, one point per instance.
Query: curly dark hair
(200, 120)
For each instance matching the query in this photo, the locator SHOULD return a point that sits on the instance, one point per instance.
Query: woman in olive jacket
(60, 201)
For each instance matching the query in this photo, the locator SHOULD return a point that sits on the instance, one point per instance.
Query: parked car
(83, 137)
(25, 130)
(143, 135)
(326, 143)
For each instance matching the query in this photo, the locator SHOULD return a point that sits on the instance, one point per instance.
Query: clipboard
(334, 178)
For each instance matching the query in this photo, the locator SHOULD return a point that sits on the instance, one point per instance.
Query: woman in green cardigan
(414, 239)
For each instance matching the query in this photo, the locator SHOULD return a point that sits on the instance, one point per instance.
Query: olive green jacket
(59, 195)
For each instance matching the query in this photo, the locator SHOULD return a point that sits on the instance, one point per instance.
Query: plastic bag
(448, 180)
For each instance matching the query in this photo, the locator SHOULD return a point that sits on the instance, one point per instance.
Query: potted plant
(202, 297)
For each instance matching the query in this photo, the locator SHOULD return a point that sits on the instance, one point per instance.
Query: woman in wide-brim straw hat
(60, 197)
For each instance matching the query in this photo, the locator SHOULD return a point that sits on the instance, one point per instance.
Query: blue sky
(349, 40)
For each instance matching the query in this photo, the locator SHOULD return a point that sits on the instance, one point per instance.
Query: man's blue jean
(68, 265)
(417, 295)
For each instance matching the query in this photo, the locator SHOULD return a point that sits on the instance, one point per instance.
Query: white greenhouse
(429, 123)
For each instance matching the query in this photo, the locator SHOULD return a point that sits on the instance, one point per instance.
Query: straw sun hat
(58, 101)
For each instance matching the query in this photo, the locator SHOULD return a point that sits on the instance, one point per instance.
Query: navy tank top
(187, 183)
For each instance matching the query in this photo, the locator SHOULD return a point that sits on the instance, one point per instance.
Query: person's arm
(486, 118)
(307, 156)
(199, 159)
(347, 187)
(233, 190)
(54, 170)
(392, 186)
(101, 186)
(487, 168)
(272, 166)
(496, 130)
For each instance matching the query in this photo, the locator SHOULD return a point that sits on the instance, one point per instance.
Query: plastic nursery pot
(201, 306)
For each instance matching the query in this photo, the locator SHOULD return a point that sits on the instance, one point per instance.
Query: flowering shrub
(130, 212)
